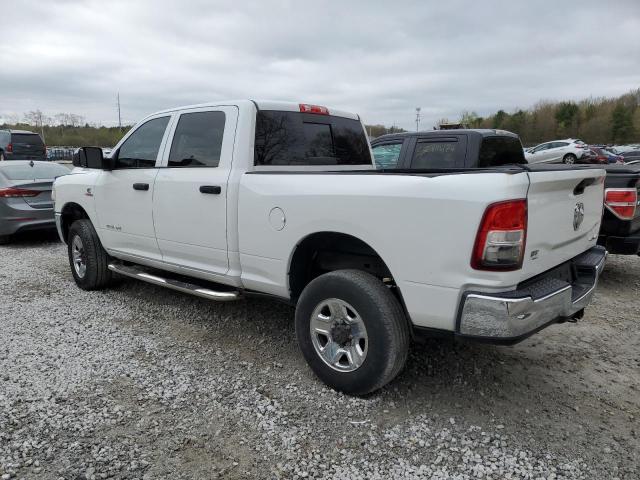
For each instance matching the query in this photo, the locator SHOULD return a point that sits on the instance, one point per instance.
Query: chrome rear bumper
(512, 316)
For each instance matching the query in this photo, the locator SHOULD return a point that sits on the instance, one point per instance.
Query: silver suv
(569, 151)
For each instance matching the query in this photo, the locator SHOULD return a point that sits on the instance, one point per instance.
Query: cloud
(378, 59)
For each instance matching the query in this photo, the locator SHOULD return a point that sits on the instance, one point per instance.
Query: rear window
(435, 154)
(26, 138)
(24, 171)
(496, 151)
(297, 139)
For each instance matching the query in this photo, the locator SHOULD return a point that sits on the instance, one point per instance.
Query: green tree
(622, 124)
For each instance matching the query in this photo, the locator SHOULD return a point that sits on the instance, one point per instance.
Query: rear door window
(140, 150)
(387, 154)
(496, 151)
(304, 139)
(438, 153)
(197, 141)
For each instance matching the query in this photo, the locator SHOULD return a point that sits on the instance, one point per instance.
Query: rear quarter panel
(423, 228)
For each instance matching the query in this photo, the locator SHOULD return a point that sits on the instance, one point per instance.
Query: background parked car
(437, 149)
(25, 196)
(21, 145)
(566, 151)
(631, 156)
(603, 155)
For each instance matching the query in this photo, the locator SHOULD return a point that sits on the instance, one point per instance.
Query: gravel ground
(141, 382)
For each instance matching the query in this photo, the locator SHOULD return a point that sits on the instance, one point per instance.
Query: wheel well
(323, 252)
(70, 213)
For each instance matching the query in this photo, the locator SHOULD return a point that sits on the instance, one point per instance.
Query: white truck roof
(262, 105)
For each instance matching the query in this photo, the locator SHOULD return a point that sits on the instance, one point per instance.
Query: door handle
(141, 186)
(212, 189)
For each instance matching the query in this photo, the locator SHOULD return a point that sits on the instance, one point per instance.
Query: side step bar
(185, 287)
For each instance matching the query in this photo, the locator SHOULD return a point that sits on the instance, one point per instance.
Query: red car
(604, 156)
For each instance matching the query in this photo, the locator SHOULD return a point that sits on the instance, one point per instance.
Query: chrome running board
(140, 273)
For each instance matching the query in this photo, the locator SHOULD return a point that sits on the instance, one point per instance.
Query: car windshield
(25, 171)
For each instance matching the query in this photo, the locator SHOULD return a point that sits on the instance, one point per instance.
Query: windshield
(24, 171)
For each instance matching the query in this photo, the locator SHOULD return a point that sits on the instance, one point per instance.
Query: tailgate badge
(578, 215)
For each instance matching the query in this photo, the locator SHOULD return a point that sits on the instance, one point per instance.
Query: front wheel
(88, 259)
(352, 331)
(569, 159)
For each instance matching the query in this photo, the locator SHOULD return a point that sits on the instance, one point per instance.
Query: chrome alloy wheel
(339, 335)
(78, 256)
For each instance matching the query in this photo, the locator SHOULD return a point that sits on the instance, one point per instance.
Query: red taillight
(622, 202)
(306, 108)
(502, 236)
(17, 192)
(10, 148)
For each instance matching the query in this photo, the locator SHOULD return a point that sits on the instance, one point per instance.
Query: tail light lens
(17, 192)
(622, 202)
(502, 237)
(10, 148)
(317, 109)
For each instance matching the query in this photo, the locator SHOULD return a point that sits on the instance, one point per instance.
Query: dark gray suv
(21, 145)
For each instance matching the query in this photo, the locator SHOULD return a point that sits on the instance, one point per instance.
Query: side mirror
(91, 157)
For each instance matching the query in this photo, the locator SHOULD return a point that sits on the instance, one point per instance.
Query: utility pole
(418, 116)
(119, 117)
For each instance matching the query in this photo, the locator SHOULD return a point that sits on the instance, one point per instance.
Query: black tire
(5, 239)
(386, 328)
(97, 274)
(569, 159)
(2, 156)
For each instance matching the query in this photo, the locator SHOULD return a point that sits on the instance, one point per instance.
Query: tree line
(593, 120)
(66, 129)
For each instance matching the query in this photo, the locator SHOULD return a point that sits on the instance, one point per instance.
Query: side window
(140, 150)
(197, 141)
(436, 154)
(387, 155)
(560, 144)
(539, 148)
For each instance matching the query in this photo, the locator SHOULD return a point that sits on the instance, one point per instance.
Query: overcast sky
(379, 59)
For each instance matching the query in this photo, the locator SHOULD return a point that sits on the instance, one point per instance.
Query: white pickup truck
(232, 199)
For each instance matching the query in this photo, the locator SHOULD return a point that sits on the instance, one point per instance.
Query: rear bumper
(620, 245)
(512, 316)
(20, 218)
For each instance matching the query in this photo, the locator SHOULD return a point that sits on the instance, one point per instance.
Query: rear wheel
(352, 331)
(5, 239)
(89, 261)
(569, 159)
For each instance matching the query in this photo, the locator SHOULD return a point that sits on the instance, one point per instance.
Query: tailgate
(564, 214)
